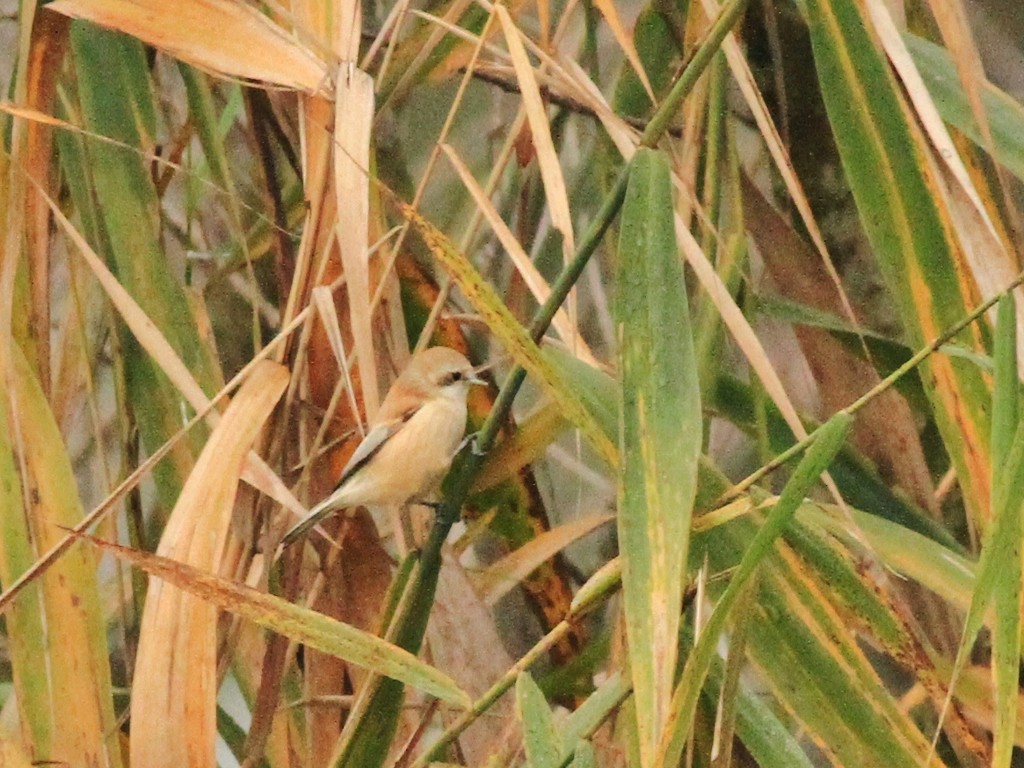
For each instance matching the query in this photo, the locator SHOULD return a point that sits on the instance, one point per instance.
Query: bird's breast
(414, 461)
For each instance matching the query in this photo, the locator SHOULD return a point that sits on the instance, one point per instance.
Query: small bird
(412, 439)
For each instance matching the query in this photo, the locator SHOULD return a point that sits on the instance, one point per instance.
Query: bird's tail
(316, 514)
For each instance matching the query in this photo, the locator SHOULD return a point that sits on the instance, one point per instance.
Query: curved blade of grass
(255, 48)
(819, 455)
(533, 436)
(62, 678)
(660, 428)
(886, 161)
(300, 624)
(173, 706)
(906, 552)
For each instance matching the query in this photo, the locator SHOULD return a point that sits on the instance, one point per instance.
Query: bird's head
(441, 372)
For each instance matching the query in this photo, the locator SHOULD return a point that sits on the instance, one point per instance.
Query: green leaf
(767, 739)
(1005, 114)
(116, 102)
(1005, 399)
(540, 736)
(999, 569)
(298, 623)
(1008, 484)
(62, 678)
(584, 756)
(886, 160)
(660, 428)
(585, 719)
(829, 439)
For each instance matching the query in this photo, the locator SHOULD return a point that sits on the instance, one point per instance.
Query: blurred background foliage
(753, 484)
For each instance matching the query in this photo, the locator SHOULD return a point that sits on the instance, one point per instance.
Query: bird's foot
(471, 439)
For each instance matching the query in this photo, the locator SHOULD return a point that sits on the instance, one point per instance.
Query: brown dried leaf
(547, 156)
(501, 577)
(474, 658)
(174, 692)
(885, 430)
(226, 38)
(352, 123)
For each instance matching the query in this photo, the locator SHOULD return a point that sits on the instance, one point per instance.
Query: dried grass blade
(301, 624)
(547, 157)
(951, 17)
(501, 577)
(324, 303)
(153, 341)
(12, 755)
(738, 326)
(174, 692)
(353, 119)
(623, 136)
(531, 276)
(227, 38)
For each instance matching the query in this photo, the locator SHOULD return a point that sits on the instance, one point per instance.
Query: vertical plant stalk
(411, 625)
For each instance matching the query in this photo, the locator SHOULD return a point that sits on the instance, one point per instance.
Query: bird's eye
(450, 378)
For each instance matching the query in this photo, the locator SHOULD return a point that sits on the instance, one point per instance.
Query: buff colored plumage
(411, 441)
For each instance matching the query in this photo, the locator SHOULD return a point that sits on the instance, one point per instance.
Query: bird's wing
(366, 450)
(372, 443)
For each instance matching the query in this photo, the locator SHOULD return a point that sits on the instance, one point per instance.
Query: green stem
(886, 383)
(410, 634)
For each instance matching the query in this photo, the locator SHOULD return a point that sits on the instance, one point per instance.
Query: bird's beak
(475, 375)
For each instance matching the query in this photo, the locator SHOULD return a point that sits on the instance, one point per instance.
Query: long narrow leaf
(830, 439)
(660, 434)
(300, 624)
(885, 157)
(999, 568)
(62, 678)
(540, 737)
